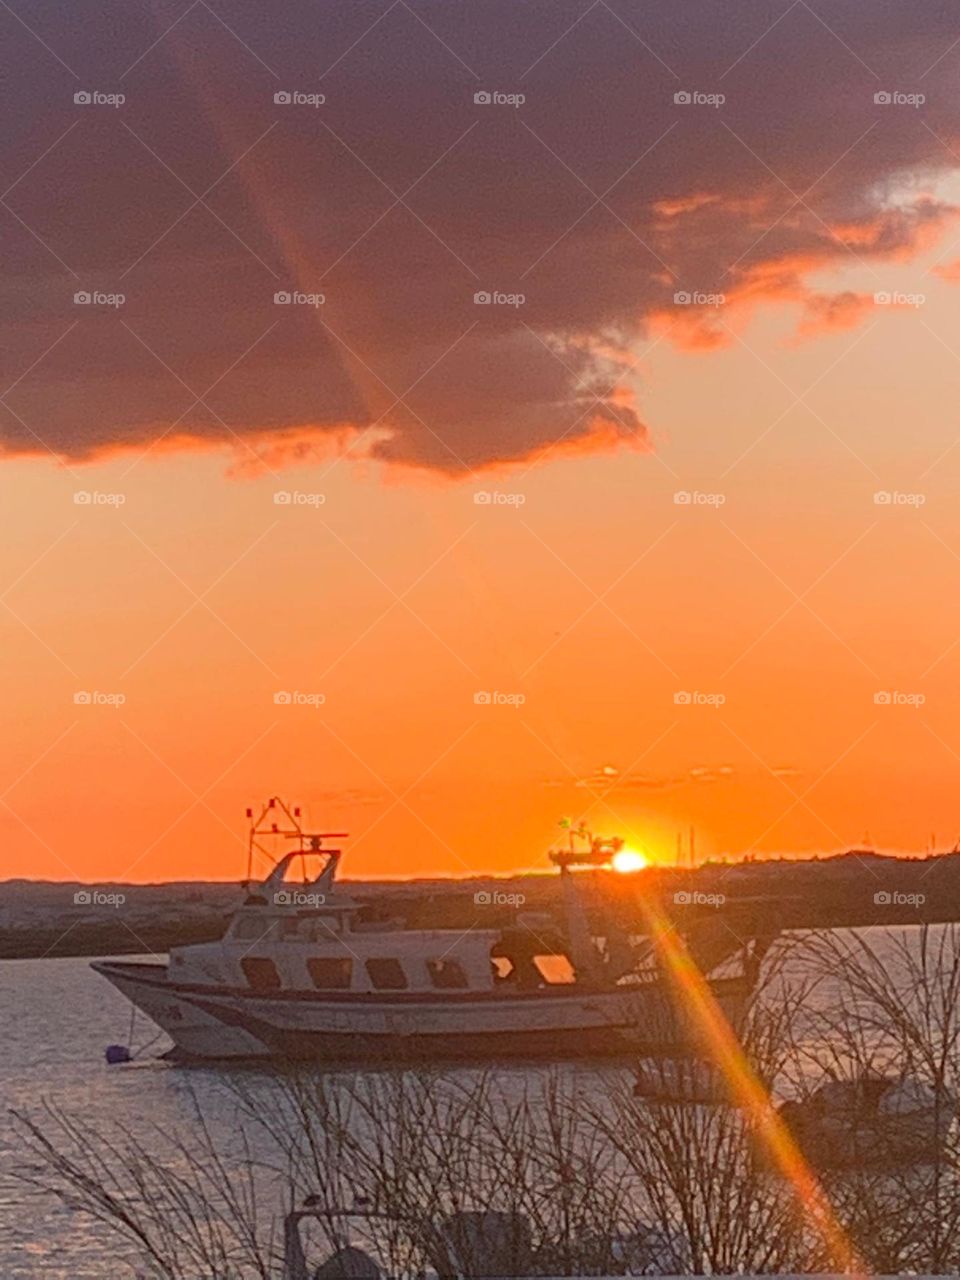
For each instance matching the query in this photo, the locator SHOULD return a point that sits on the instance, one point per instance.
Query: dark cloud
(598, 200)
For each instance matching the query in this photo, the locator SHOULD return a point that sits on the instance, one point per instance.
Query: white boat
(872, 1122)
(300, 973)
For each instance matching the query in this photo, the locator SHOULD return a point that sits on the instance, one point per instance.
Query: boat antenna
(312, 842)
(575, 831)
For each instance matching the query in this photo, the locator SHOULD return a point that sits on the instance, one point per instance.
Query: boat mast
(264, 825)
(583, 953)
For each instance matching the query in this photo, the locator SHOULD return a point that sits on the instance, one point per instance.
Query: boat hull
(192, 1031)
(210, 1022)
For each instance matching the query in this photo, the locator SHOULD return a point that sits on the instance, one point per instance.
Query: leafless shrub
(886, 1001)
(181, 1207)
(433, 1153)
(888, 1006)
(551, 1172)
(706, 1181)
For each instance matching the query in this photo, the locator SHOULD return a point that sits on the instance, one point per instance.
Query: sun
(627, 860)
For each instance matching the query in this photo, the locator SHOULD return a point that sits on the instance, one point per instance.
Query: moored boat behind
(302, 973)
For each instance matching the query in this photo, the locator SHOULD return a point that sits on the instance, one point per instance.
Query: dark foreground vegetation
(567, 1172)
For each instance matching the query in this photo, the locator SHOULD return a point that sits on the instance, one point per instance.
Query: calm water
(56, 1017)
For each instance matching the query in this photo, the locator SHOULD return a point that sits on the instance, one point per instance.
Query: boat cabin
(313, 938)
(264, 950)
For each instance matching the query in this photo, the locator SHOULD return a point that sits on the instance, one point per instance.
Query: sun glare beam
(721, 1045)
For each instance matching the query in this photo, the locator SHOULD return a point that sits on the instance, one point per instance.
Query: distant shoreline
(40, 919)
(381, 883)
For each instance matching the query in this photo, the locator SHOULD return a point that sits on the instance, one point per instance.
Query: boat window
(330, 973)
(387, 975)
(554, 969)
(446, 973)
(260, 973)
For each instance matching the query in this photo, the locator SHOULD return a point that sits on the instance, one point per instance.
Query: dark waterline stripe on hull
(323, 1046)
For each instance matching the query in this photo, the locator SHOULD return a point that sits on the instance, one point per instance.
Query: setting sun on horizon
(628, 860)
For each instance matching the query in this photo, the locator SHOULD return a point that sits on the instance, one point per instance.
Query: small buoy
(115, 1053)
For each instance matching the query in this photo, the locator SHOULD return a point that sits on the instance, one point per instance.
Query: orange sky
(772, 662)
(597, 599)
